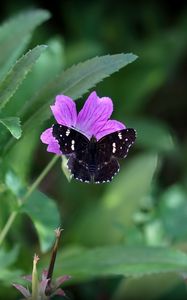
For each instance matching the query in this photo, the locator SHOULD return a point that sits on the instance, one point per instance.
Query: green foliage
(15, 35)
(120, 260)
(132, 226)
(7, 258)
(74, 82)
(148, 128)
(170, 285)
(114, 211)
(37, 208)
(13, 125)
(17, 74)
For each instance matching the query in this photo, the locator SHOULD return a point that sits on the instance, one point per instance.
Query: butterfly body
(91, 160)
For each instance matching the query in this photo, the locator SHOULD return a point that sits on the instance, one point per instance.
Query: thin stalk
(35, 184)
(7, 226)
(40, 178)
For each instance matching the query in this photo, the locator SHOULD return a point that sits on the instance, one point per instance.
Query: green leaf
(108, 221)
(147, 130)
(147, 287)
(49, 64)
(74, 82)
(13, 125)
(7, 258)
(154, 68)
(44, 213)
(15, 34)
(173, 212)
(83, 264)
(17, 74)
(14, 183)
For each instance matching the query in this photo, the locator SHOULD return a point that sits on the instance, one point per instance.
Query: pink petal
(43, 285)
(64, 110)
(53, 147)
(94, 114)
(58, 292)
(28, 278)
(47, 138)
(25, 292)
(61, 280)
(44, 274)
(109, 127)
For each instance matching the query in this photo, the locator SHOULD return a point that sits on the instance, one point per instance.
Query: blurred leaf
(14, 184)
(48, 65)
(74, 82)
(24, 158)
(13, 125)
(106, 221)
(147, 288)
(44, 213)
(152, 134)
(15, 34)
(154, 233)
(81, 50)
(173, 212)
(7, 276)
(7, 258)
(155, 66)
(17, 74)
(83, 264)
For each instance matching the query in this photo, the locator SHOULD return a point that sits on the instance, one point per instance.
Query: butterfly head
(93, 139)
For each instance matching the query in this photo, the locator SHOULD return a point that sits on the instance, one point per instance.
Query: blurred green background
(146, 204)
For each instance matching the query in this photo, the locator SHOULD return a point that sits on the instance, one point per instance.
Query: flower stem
(40, 178)
(58, 232)
(7, 226)
(25, 197)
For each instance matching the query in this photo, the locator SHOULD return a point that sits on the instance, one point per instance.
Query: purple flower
(92, 120)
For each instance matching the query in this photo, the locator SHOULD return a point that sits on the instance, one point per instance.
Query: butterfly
(91, 160)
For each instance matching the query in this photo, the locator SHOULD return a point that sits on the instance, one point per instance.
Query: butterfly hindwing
(69, 140)
(92, 160)
(107, 171)
(78, 170)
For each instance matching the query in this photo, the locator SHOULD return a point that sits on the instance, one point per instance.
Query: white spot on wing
(113, 147)
(67, 132)
(120, 135)
(73, 145)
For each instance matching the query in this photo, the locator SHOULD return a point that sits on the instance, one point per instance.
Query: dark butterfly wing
(107, 171)
(70, 140)
(92, 161)
(78, 170)
(116, 144)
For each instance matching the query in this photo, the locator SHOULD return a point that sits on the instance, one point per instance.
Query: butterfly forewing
(116, 144)
(69, 140)
(92, 160)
